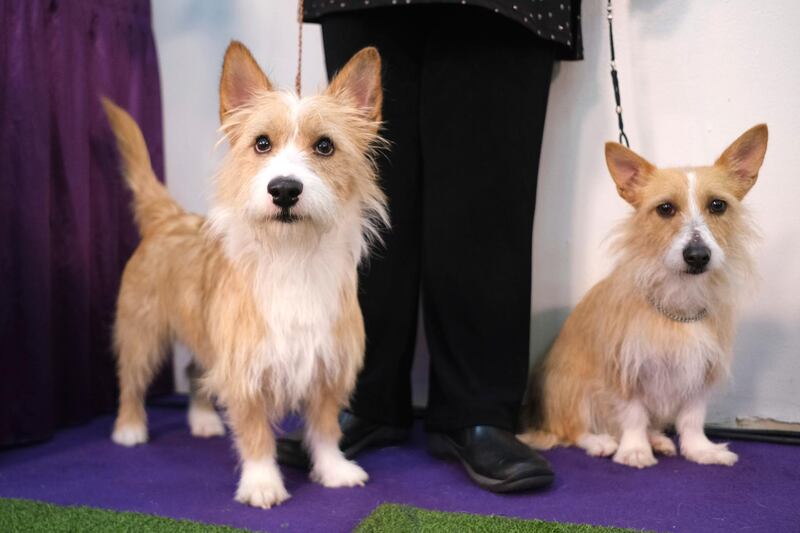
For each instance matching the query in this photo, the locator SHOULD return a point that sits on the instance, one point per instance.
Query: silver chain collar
(677, 318)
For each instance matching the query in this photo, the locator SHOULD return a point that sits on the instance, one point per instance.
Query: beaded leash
(298, 76)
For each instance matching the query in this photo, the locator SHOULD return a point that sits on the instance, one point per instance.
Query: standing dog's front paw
(261, 485)
(339, 473)
(205, 423)
(264, 496)
(711, 454)
(129, 434)
(637, 457)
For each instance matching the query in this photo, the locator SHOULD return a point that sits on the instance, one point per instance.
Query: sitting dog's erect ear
(629, 170)
(359, 83)
(241, 79)
(743, 159)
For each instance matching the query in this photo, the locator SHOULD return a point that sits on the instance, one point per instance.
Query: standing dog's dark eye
(324, 146)
(717, 206)
(666, 210)
(263, 144)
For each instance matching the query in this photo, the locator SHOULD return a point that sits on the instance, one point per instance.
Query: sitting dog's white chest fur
(667, 372)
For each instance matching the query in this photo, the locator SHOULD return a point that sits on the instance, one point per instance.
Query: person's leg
(389, 281)
(485, 83)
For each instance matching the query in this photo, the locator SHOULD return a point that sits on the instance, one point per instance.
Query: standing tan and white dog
(645, 345)
(264, 291)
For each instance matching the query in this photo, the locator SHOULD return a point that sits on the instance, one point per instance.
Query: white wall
(694, 76)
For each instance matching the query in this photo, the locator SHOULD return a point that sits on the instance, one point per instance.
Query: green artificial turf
(26, 516)
(397, 518)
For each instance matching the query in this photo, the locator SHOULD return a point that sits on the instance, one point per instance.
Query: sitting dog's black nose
(697, 257)
(285, 191)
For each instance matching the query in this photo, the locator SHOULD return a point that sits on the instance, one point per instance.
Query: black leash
(623, 139)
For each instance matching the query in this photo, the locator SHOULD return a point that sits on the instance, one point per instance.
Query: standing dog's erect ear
(241, 79)
(359, 83)
(743, 159)
(629, 170)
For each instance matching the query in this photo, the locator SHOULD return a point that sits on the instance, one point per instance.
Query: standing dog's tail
(152, 204)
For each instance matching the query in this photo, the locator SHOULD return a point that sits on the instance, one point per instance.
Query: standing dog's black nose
(285, 191)
(697, 257)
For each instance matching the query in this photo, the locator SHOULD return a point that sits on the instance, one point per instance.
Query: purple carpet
(178, 476)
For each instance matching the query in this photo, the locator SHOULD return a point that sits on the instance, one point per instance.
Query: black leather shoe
(357, 434)
(493, 458)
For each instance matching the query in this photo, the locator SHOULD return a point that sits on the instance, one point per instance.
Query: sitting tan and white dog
(645, 345)
(264, 291)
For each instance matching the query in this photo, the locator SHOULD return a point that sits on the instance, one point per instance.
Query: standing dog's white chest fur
(299, 292)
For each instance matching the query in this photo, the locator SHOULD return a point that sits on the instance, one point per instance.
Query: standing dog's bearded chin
(286, 216)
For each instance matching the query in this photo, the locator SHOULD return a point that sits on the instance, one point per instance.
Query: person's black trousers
(465, 95)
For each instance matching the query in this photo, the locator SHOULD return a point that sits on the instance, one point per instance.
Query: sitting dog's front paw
(261, 485)
(711, 454)
(639, 457)
(339, 473)
(129, 434)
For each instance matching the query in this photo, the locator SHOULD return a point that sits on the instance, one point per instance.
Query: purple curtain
(66, 229)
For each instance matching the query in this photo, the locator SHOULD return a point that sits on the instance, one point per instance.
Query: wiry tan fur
(268, 308)
(620, 370)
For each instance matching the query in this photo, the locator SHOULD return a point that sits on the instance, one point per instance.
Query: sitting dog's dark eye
(324, 146)
(263, 144)
(666, 210)
(717, 206)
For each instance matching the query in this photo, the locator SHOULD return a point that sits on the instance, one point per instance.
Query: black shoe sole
(379, 437)
(441, 447)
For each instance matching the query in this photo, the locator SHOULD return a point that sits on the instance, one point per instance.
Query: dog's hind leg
(140, 340)
(204, 421)
(661, 443)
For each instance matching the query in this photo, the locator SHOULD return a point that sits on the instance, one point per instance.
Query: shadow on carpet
(18, 516)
